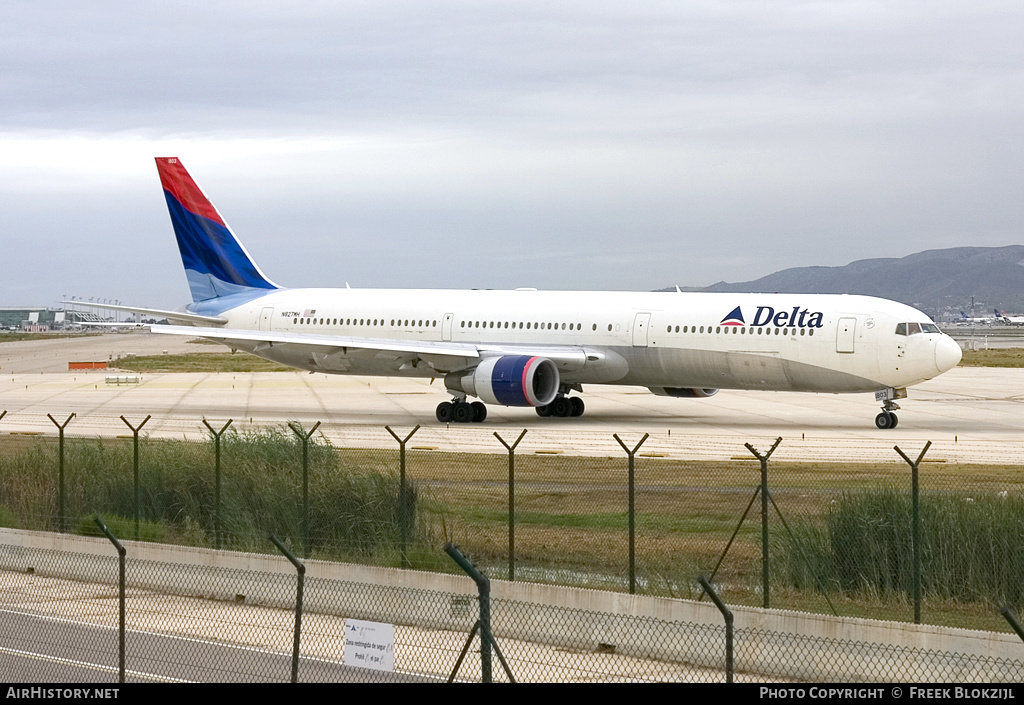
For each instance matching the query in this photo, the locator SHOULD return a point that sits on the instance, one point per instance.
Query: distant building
(39, 319)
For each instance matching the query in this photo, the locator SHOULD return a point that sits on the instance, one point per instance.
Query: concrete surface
(969, 414)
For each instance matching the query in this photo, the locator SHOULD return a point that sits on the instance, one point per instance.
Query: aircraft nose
(947, 353)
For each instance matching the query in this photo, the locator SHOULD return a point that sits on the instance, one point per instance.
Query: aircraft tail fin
(216, 263)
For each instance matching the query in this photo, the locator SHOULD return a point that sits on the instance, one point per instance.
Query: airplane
(530, 348)
(965, 319)
(1009, 320)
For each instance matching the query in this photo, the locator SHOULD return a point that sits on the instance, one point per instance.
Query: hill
(946, 280)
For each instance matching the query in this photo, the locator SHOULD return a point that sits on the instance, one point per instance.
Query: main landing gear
(562, 406)
(461, 411)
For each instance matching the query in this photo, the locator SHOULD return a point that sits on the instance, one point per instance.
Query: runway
(969, 414)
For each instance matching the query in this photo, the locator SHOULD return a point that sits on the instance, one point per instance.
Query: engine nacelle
(509, 380)
(697, 393)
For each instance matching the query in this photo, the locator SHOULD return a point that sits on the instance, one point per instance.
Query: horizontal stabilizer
(175, 316)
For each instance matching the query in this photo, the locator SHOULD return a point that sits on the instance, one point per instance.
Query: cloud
(575, 145)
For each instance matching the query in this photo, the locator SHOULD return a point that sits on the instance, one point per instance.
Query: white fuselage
(796, 342)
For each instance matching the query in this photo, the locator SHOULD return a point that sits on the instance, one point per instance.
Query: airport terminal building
(38, 319)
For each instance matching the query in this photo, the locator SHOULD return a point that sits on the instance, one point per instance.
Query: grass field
(13, 336)
(199, 362)
(994, 357)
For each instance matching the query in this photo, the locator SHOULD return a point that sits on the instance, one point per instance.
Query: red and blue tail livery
(216, 263)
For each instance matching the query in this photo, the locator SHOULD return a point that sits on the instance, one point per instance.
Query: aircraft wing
(335, 349)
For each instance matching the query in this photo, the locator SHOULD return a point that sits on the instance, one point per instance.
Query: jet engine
(509, 380)
(683, 392)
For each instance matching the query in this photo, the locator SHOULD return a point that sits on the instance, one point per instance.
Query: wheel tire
(444, 412)
(462, 413)
(885, 420)
(561, 407)
(577, 406)
(544, 410)
(895, 419)
(479, 411)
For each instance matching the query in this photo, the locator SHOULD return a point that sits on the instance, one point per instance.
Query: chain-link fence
(211, 616)
(846, 538)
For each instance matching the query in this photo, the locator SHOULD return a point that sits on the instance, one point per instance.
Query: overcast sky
(560, 145)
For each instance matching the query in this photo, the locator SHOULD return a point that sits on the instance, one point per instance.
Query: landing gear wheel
(444, 412)
(463, 412)
(886, 419)
(561, 407)
(544, 410)
(577, 406)
(479, 411)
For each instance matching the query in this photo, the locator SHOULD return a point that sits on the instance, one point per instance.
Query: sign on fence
(369, 645)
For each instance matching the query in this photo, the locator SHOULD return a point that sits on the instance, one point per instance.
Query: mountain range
(939, 282)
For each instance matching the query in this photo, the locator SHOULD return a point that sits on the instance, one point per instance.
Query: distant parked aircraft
(965, 320)
(1009, 320)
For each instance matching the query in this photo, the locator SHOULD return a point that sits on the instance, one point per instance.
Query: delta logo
(768, 316)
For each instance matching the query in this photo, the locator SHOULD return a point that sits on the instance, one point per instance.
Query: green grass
(994, 357)
(199, 362)
(11, 336)
(352, 513)
(970, 547)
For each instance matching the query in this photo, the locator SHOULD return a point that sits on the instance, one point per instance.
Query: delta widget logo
(734, 318)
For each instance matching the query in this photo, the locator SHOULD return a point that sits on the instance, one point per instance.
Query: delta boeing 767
(532, 348)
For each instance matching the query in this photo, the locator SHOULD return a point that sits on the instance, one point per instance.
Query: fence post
(135, 435)
(915, 494)
(60, 472)
(403, 499)
(764, 513)
(304, 437)
(121, 553)
(301, 569)
(1010, 617)
(511, 502)
(632, 513)
(727, 614)
(216, 474)
(3, 413)
(487, 641)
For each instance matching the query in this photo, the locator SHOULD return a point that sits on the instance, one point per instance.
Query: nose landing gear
(887, 419)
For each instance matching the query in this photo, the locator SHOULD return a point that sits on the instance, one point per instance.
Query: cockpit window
(914, 328)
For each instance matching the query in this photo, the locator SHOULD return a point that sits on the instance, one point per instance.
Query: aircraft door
(640, 325)
(446, 326)
(845, 334)
(266, 317)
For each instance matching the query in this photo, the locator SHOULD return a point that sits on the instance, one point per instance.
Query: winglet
(216, 263)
